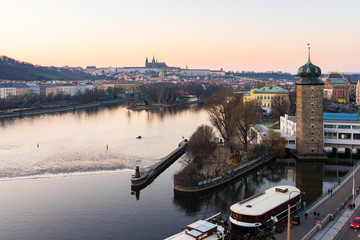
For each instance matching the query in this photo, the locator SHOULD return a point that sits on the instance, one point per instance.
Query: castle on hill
(154, 63)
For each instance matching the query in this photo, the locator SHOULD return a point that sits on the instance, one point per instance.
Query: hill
(11, 69)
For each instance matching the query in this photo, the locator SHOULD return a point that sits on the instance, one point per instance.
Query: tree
(275, 143)
(292, 99)
(201, 144)
(220, 107)
(280, 105)
(246, 115)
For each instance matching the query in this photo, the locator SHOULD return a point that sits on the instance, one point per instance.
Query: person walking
(314, 215)
(306, 215)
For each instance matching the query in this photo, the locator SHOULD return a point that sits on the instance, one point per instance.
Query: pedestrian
(353, 205)
(348, 206)
(330, 192)
(306, 215)
(318, 215)
(314, 214)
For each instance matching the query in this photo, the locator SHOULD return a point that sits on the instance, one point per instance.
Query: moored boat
(264, 209)
(212, 228)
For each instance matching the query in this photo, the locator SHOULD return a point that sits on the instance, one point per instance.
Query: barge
(263, 210)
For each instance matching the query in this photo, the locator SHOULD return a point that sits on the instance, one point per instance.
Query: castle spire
(308, 53)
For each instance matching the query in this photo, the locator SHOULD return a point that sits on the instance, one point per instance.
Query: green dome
(309, 70)
(309, 74)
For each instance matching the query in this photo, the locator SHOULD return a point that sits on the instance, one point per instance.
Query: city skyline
(233, 35)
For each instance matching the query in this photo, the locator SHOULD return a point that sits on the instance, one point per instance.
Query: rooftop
(341, 116)
(265, 201)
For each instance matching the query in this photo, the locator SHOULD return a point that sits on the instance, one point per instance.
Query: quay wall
(209, 183)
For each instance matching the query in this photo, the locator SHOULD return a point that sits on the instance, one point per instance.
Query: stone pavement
(324, 206)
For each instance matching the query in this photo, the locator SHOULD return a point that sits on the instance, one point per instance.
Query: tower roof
(309, 73)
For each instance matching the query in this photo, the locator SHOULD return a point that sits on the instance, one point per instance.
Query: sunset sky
(237, 35)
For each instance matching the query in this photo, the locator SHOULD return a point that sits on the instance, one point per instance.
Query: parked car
(356, 222)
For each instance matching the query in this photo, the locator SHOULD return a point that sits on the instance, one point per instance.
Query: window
(355, 127)
(291, 141)
(356, 136)
(329, 126)
(344, 126)
(344, 135)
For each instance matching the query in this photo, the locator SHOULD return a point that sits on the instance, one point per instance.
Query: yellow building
(265, 94)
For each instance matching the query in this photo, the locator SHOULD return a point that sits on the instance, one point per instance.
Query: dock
(140, 180)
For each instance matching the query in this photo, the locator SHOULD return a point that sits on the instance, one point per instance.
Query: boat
(265, 209)
(139, 137)
(212, 228)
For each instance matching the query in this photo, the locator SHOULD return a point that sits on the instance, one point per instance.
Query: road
(350, 233)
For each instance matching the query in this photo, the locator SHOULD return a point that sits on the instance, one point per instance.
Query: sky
(236, 35)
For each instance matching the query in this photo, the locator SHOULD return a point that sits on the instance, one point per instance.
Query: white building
(340, 130)
(66, 89)
(195, 72)
(7, 90)
(81, 87)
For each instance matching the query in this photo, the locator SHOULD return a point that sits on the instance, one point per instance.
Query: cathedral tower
(309, 111)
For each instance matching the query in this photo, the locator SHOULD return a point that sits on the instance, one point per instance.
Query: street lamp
(353, 176)
(289, 206)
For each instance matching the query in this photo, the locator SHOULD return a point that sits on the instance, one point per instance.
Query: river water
(73, 187)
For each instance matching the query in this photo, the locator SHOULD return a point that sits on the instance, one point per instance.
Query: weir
(141, 180)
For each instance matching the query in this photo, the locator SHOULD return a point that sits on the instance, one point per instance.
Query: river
(73, 187)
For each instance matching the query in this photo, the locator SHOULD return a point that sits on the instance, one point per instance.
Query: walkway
(327, 205)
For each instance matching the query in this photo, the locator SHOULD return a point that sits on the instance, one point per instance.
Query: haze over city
(233, 35)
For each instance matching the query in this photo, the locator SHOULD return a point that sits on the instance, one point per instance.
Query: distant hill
(11, 69)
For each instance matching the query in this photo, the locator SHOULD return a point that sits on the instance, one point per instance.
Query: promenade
(328, 204)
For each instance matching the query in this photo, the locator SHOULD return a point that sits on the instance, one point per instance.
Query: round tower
(309, 111)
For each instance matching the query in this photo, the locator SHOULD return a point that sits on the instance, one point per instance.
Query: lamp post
(353, 176)
(289, 207)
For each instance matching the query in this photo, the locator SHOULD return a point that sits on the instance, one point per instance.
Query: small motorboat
(139, 137)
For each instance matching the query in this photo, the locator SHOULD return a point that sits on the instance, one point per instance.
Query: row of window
(341, 126)
(334, 135)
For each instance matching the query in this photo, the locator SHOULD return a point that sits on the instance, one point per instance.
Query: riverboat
(212, 228)
(264, 209)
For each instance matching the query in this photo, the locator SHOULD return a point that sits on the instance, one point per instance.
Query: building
(339, 87)
(34, 89)
(66, 89)
(265, 95)
(22, 89)
(195, 72)
(7, 90)
(309, 112)
(358, 93)
(217, 73)
(340, 130)
(47, 90)
(154, 63)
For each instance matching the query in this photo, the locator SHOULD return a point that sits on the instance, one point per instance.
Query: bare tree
(280, 105)
(275, 143)
(220, 107)
(246, 116)
(292, 99)
(201, 144)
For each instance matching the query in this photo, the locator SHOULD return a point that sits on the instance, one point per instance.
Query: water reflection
(76, 141)
(309, 177)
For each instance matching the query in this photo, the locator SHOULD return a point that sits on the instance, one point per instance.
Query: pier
(141, 180)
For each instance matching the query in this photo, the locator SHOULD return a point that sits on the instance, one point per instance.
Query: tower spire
(309, 53)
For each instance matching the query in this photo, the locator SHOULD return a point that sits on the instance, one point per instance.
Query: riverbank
(139, 107)
(226, 177)
(27, 112)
